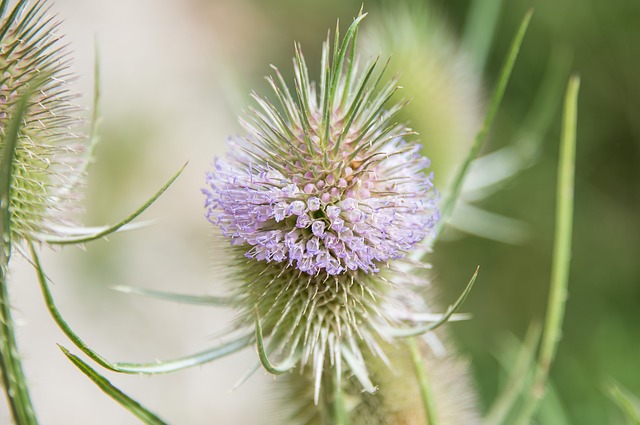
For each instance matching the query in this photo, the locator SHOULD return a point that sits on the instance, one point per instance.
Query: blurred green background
(176, 75)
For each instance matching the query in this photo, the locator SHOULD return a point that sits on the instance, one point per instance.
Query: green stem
(561, 253)
(423, 381)
(13, 378)
(334, 408)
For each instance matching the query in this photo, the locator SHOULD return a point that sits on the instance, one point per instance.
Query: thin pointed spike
(342, 52)
(196, 359)
(302, 88)
(119, 225)
(359, 370)
(11, 18)
(325, 76)
(349, 72)
(355, 104)
(419, 330)
(246, 376)
(286, 365)
(181, 298)
(97, 94)
(108, 388)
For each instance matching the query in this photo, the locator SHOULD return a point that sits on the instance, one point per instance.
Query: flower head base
(48, 159)
(322, 195)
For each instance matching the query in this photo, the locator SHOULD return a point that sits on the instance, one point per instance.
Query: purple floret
(323, 219)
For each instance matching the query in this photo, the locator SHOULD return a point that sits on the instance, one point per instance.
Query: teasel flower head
(320, 199)
(49, 160)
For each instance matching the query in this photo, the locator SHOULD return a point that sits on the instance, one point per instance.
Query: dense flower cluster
(346, 215)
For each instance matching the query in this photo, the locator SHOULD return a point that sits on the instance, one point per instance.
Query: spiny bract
(48, 157)
(321, 196)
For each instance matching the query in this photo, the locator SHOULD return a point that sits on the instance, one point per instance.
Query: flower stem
(423, 381)
(13, 379)
(336, 413)
(561, 253)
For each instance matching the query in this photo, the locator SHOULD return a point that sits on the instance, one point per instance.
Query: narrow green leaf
(196, 359)
(561, 252)
(119, 225)
(181, 298)
(13, 378)
(286, 365)
(144, 368)
(426, 394)
(419, 330)
(496, 99)
(108, 388)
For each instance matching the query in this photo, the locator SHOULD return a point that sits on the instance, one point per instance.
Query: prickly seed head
(48, 156)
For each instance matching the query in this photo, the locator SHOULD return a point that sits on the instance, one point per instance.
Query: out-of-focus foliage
(601, 337)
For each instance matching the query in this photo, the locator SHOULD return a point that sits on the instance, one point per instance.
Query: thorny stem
(13, 377)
